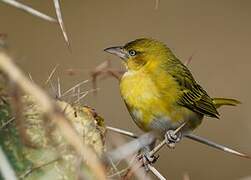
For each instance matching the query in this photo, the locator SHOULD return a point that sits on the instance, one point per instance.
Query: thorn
(51, 74)
(74, 87)
(29, 10)
(59, 88)
(121, 131)
(61, 23)
(215, 145)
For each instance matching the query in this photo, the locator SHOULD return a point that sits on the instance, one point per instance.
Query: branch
(189, 136)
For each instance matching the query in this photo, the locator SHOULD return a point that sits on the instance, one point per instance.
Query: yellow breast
(149, 97)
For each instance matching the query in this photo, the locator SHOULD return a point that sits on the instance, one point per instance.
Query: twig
(5, 168)
(156, 172)
(190, 136)
(215, 145)
(29, 10)
(61, 23)
(52, 112)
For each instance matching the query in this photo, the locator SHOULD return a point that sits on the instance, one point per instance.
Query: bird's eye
(132, 52)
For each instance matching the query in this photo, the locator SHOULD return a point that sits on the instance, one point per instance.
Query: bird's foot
(172, 138)
(146, 159)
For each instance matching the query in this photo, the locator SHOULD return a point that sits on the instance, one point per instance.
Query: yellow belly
(152, 104)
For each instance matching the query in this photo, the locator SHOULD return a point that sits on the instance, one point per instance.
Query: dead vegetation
(56, 137)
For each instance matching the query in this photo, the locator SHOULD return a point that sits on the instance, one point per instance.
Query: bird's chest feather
(149, 99)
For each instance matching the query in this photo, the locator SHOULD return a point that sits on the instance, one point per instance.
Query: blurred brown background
(218, 33)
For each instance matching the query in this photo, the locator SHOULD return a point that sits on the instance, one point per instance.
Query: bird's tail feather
(218, 102)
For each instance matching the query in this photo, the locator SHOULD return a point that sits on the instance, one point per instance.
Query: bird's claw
(147, 159)
(172, 138)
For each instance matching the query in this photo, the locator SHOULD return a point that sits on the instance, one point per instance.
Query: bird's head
(141, 52)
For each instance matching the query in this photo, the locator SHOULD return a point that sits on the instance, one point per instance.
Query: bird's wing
(192, 94)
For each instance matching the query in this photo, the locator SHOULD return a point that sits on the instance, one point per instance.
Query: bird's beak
(118, 51)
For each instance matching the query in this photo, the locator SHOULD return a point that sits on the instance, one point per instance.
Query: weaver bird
(159, 90)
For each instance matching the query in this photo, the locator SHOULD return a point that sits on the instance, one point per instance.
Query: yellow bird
(159, 90)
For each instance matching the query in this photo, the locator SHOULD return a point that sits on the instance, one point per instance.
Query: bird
(160, 92)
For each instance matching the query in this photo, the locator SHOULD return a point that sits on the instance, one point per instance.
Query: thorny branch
(51, 112)
(131, 147)
(151, 153)
(189, 136)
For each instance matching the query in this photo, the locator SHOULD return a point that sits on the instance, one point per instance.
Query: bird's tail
(218, 102)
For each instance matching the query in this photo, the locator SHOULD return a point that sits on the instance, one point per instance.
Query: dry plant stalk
(52, 112)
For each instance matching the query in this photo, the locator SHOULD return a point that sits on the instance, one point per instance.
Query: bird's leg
(146, 157)
(172, 138)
